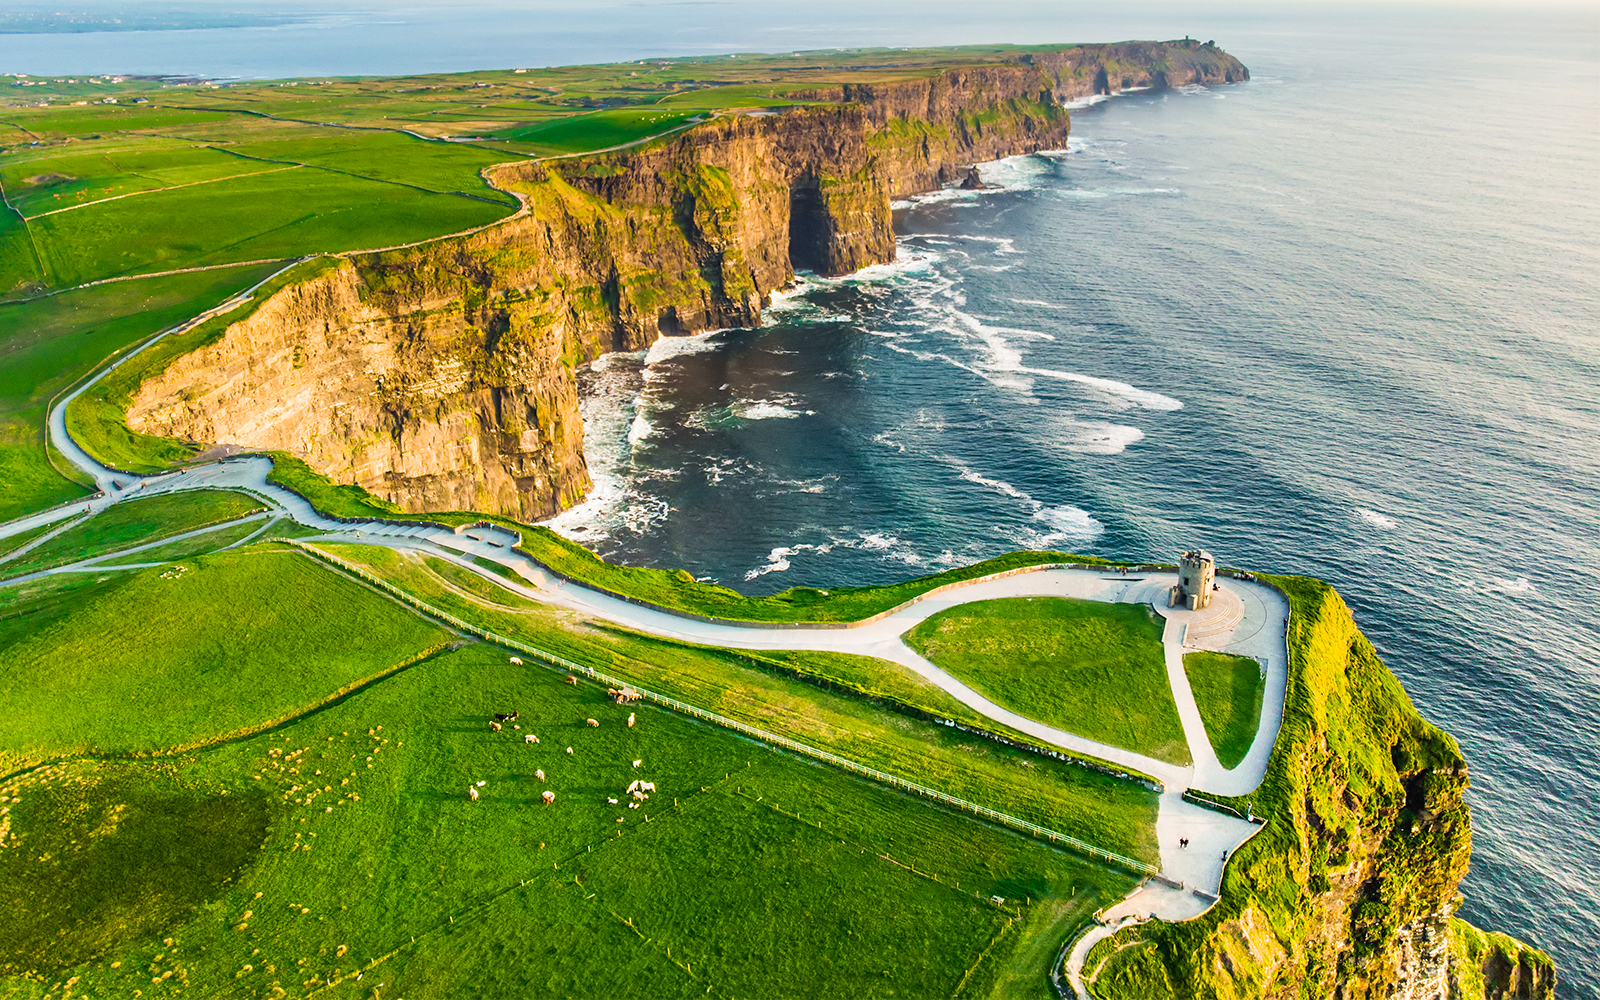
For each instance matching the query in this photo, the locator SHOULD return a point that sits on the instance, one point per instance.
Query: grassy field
(750, 867)
(199, 545)
(598, 129)
(1112, 813)
(136, 660)
(1227, 690)
(49, 343)
(134, 522)
(1088, 667)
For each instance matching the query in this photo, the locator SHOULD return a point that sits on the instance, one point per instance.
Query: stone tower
(1197, 575)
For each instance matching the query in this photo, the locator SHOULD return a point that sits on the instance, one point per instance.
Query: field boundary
(1054, 837)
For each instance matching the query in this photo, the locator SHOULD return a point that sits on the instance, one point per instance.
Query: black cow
(505, 716)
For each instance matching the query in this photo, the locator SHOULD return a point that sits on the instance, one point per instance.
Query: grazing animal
(640, 796)
(539, 775)
(472, 793)
(510, 716)
(571, 679)
(637, 763)
(647, 786)
(548, 797)
(516, 661)
(633, 805)
(594, 723)
(620, 819)
(611, 800)
(633, 787)
(482, 783)
(630, 720)
(530, 738)
(495, 727)
(569, 749)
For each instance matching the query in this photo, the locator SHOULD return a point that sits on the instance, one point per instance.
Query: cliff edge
(443, 376)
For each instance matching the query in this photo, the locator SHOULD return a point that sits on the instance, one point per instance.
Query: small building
(1197, 580)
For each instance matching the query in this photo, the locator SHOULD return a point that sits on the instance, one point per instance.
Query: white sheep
(610, 800)
(549, 797)
(647, 786)
(530, 738)
(630, 720)
(472, 793)
(633, 786)
(516, 661)
(569, 749)
(539, 775)
(593, 723)
(637, 763)
(482, 783)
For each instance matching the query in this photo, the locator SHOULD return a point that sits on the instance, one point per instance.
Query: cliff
(1350, 889)
(442, 376)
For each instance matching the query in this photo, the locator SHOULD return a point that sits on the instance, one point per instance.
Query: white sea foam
(762, 410)
(1143, 398)
(1070, 522)
(666, 348)
(1519, 587)
(1381, 521)
(1097, 437)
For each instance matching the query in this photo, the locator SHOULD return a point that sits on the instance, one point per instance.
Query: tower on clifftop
(1197, 575)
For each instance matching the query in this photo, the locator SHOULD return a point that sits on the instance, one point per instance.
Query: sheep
(516, 661)
(634, 786)
(620, 818)
(482, 783)
(633, 805)
(571, 679)
(630, 720)
(640, 796)
(610, 800)
(592, 723)
(647, 786)
(539, 775)
(530, 738)
(495, 727)
(637, 763)
(548, 797)
(569, 749)
(472, 793)
(510, 716)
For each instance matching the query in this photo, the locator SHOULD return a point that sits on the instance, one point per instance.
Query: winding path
(1248, 619)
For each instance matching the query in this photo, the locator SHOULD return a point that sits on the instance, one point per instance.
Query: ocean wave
(1381, 521)
(1097, 437)
(666, 348)
(1143, 398)
(763, 410)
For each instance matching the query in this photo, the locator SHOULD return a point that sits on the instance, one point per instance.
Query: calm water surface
(1343, 320)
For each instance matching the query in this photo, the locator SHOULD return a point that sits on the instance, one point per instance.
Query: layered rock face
(442, 377)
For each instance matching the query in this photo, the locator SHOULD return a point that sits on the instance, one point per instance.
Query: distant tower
(1197, 574)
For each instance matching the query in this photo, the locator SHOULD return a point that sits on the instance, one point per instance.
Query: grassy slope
(1228, 691)
(138, 660)
(188, 548)
(1088, 667)
(751, 865)
(1112, 813)
(47, 344)
(134, 522)
(1366, 832)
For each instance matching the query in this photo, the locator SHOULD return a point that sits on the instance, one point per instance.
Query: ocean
(1342, 320)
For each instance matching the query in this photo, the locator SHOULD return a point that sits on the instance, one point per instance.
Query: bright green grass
(11, 543)
(387, 156)
(286, 213)
(1091, 668)
(47, 344)
(134, 522)
(188, 548)
(597, 129)
(52, 178)
(19, 265)
(138, 660)
(1112, 813)
(1227, 690)
(756, 875)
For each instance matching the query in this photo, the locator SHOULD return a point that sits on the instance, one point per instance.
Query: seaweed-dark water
(1341, 320)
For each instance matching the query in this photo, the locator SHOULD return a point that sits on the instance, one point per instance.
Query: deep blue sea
(1343, 320)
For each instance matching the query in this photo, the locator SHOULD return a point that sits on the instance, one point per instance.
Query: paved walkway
(1246, 618)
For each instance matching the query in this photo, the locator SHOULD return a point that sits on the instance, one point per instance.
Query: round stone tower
(1197, 576)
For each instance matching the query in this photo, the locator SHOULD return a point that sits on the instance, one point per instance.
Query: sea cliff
(443, 376)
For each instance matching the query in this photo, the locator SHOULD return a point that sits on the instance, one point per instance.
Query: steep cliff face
(442, 377)
(1349, 890)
